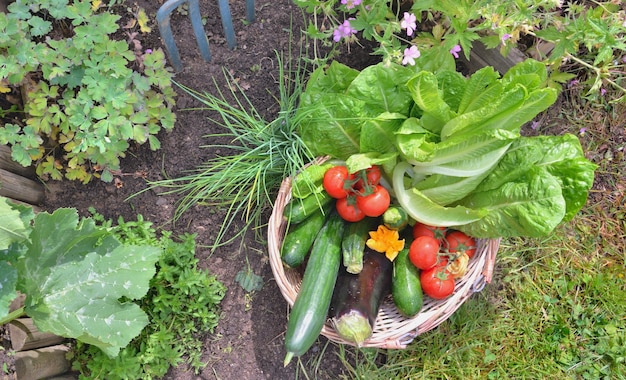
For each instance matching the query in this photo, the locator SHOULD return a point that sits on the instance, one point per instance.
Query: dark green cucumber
(300, 237)
(353, 244)
(406, 288)
(357, 297)
(311, 306)
(299, 209)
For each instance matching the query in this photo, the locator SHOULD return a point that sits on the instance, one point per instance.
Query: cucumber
(353, 244)
(299, 209)
(357, 297)
(313, 301)
(299, 240)
(406, 288)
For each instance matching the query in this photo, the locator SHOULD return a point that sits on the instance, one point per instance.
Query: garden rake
(163, 19)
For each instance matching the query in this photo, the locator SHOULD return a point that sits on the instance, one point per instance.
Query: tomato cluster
(358, 194)
(433, 250)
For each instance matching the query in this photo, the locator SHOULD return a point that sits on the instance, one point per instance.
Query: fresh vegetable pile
(422, 162)
(356, 249)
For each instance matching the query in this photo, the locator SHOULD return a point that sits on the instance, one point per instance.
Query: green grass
(556, 308)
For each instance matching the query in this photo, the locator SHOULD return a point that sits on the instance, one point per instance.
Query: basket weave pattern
(392, 330)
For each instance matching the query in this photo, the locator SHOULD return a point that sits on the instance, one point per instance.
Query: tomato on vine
(424, 252)
(336, 182)
(375, 203)
(421, 229)
(348, 210)
(459, 242)
(437, 282)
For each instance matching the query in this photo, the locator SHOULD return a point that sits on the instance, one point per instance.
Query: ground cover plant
(589, 35)
(182, 303)
(86, 94)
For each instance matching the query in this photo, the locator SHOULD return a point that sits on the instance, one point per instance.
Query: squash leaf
(79, 279)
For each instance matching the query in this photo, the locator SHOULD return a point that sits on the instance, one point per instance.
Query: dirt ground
(248, 343)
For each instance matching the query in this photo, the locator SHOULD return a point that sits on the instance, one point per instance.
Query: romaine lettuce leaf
(532, 206)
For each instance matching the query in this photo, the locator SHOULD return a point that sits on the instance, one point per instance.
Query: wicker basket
(391, 330)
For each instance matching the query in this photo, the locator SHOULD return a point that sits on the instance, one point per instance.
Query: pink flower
(410, 55)
(456, 49)
(350, 3)
(408, 23)
(505, 37)
(343, 30)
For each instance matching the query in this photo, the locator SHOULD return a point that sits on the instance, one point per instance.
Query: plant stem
(15, 314)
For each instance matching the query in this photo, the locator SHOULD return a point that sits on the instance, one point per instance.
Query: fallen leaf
(142, 19)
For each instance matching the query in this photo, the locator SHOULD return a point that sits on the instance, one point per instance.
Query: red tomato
(437, 283)
(458, 241)
(376, 203)
(335, 182)
(349, 212)
(424, 252)
(372, 175)
(421, 229)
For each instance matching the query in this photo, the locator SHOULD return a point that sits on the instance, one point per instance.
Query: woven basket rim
(391, 330)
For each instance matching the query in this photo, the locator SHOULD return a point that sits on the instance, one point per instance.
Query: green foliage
(77, 278)
(182, 303)
(87, 95)
(592, 34)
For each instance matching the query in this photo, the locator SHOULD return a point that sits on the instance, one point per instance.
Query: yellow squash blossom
(387, 241)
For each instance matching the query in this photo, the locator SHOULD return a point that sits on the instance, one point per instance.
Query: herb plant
(590, 35)
(87, 96)
(260, 155)
(182, 303)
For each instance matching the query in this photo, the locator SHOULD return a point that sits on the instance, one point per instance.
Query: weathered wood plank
(26, 336)
(21, 188)
(7, 163)
(480, 57)
(41, 363)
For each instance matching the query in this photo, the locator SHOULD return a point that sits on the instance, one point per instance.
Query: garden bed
(248, 342)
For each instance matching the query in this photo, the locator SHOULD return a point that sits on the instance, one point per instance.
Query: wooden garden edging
(17, 182)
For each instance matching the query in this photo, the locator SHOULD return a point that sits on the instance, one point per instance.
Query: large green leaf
(383, 88)
(12, 227)
(8, 282)
(75, 276)
(531, 206)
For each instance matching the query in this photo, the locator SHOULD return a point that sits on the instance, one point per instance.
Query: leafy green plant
(451, 144)
(78, 278)
(182, 303)
(87, 96)
(592, 35)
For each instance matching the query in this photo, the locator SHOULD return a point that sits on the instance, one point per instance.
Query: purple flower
(410, 55)
(456, 49)
(343, 30)
(583, 130)
(602, 91)
(505, 37)
(148, 51)
(572, 83)
(350, 3)
(534, 125)
(408, 23)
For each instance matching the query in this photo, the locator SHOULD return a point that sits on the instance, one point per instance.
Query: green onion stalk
(261, 155)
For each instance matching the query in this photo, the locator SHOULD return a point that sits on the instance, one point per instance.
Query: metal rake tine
(163, 19)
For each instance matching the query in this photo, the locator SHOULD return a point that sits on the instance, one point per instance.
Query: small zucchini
(406, 288)
(395, 218)
(298, 210)
(353, 244)
(357, 297)
(313, 301)
(300, 237)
